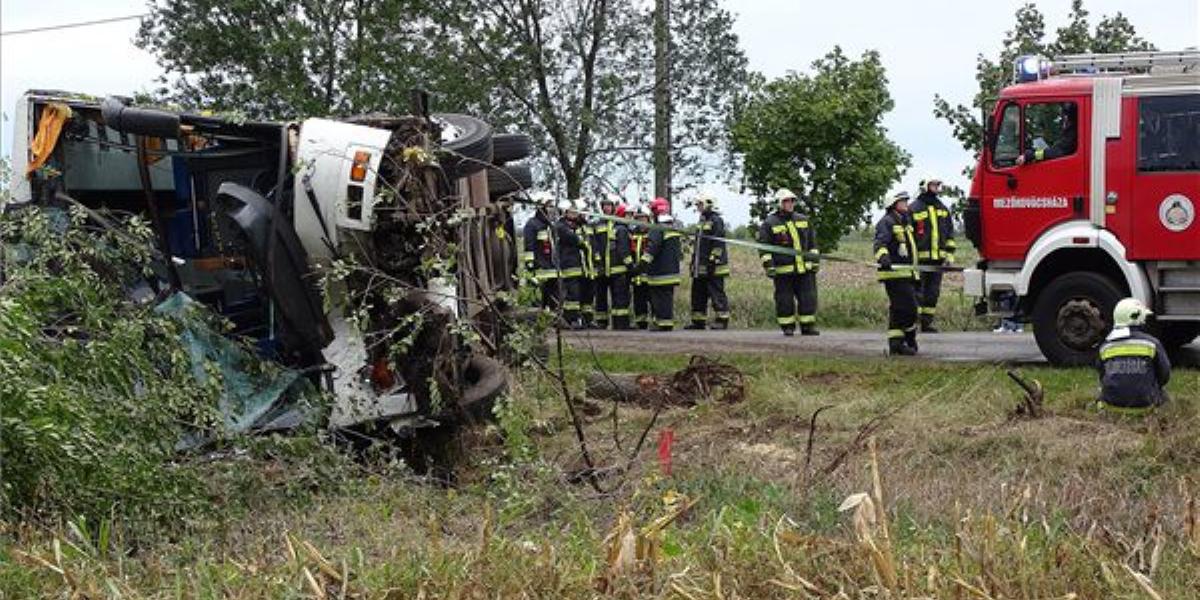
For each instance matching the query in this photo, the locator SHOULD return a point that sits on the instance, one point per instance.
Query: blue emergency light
(1030, 68)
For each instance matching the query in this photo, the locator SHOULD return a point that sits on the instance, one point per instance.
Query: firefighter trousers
(929, 290)
(795, 300)
(572, 306)
(902, 311)
(612, 300)
(550, 294)
(641, 305)
(705, 289)
(587, 298)
(662, 306)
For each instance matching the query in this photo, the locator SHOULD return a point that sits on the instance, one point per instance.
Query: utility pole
(662, 99)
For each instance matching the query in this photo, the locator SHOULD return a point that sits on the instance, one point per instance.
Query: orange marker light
(358, 171)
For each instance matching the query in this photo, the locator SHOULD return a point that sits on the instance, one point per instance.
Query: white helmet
(566, 204)
(1130, 312)
(581, 205)
(782, 194)
(704, 200)
(637, 208)
(542, 198)
(612, 199)
(928, 179)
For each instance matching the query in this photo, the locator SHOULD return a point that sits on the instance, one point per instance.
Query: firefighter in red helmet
(659, 263)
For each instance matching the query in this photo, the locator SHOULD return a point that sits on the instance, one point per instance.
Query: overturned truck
(370, 253)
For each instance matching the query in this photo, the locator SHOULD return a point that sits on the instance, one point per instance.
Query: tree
(577, 75)
(821, 135)
(1028, 36)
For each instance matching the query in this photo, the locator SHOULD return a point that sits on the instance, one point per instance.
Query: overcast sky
(928, 46)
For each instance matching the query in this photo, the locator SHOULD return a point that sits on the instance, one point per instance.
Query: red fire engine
(1086, 192)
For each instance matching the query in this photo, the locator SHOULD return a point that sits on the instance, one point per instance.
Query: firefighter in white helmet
(571, 251)
(1133, 364)
(896, 254)
(709, 266)
(613, 259)
(794, 271)
(934, 229)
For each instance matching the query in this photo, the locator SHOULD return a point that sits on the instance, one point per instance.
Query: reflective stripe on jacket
(637, 245)
(1133, 369)
(788, 230)
(707, 250)
(933, 228)
(894, 239)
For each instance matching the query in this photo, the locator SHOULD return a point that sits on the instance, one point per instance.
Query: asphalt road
(979, 347)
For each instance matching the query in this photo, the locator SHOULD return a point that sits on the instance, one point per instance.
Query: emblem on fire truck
(1176, 212)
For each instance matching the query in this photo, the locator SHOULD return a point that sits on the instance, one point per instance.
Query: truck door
(1039, 173)
(1166, 180)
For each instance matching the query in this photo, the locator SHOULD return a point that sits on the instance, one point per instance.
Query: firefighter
(659, 263)
(896, 252)
(709, 267)
(1133, 364)
(572, 251)
(795, 272)
(1064, 145)
(587, 284)
(637, 245)
(539, 255)
(934, 231)
(612, 258)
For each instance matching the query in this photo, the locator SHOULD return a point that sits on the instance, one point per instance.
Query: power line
(73, 25)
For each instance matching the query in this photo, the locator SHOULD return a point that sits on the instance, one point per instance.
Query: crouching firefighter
(539, 255)
(659, 263)
(794, 272)
(1133, 364)
(571, 253)
(638, 234)
(896, 254)
(709, 267)
(613, 259)
(934, 230)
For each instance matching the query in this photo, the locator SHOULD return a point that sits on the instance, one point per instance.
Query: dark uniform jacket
(638, 236)
(1133, 369)
(895, 247)
(661, 255)
(611, 253)
(711, 257)
(539, 247)
(933, 228)
(570, 249)
(792, 231)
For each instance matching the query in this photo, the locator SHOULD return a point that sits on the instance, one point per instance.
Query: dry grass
(964, 503)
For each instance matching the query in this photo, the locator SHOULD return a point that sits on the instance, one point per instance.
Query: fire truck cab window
(1008, 137)
(1169, 133)
(1051, 131)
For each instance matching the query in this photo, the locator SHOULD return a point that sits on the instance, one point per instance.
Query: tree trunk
(662, 99)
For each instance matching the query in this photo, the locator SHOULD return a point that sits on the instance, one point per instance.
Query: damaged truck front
(367, 253)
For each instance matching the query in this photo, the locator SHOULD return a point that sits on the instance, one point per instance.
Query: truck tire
(466, 144)
(510, 147)
(1073, 315)
(509, 179)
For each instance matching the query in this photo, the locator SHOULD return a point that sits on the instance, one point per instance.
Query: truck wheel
(1072, 316)
(509, 179)
(466, 143)
(509, 147)
(1177, 335)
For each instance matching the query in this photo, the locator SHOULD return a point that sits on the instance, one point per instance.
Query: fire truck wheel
(466, 144)
(1072, 316)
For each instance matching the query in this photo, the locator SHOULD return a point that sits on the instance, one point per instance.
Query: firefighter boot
(927, 324)
(809, 329)
(897, 347)
(721, 323)
(621, 324)
(789, 330)
(696, 325)
(910, 339)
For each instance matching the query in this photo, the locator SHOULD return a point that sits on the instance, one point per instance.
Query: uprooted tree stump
(702, 379)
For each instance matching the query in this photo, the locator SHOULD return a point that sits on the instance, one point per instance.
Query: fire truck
(1086, 192)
